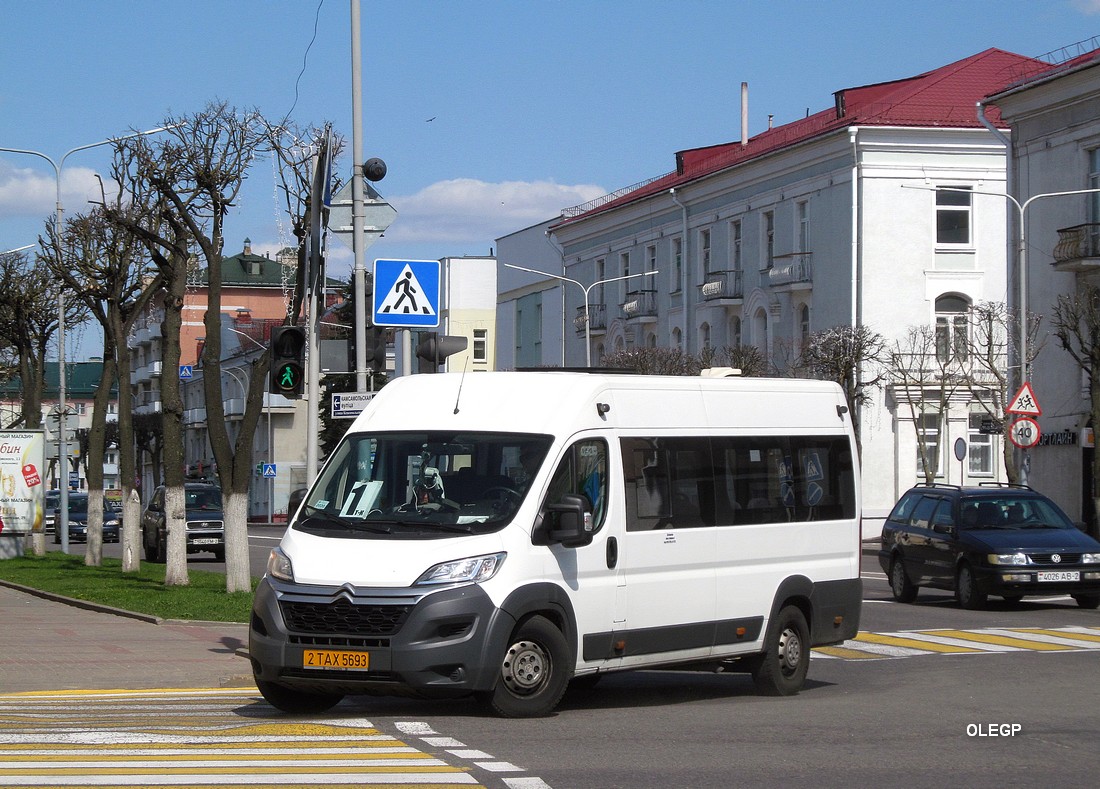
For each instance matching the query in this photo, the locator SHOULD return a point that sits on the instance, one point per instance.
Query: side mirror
(571, 522)
(943, 528)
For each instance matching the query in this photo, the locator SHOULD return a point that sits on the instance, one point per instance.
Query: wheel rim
(790, 651)
(526, 668)
(898, 578)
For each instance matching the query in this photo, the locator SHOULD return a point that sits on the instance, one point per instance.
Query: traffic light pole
(358, 245)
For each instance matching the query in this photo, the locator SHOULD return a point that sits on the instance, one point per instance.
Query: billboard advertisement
(22, 481)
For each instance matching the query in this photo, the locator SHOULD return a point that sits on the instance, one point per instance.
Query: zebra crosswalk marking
(868, 645)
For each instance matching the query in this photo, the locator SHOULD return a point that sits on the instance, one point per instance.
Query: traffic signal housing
(288, 352)
(434, 348)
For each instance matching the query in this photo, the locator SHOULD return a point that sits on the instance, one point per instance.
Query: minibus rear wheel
(782, 668)
(296, 701)
(534, 672)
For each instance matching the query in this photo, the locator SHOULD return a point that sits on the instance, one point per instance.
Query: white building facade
(829, 221)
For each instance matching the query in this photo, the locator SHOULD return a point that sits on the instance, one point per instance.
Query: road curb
(85, 604)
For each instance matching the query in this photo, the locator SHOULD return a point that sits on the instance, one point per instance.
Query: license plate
(333, 658)
(205, 541)
(1063, 575)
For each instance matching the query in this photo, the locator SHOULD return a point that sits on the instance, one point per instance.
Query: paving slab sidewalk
(53, 643)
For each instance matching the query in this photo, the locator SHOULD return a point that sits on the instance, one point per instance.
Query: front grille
(342, 616)
(1065, 558)
(204, 525)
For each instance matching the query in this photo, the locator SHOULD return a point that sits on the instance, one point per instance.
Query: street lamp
(62, 444)
(587, 316)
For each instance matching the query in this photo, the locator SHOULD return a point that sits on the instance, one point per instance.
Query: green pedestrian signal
(288, 346)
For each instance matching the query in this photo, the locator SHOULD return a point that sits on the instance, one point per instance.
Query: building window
(651, 260)
(928, 436)
(953, 215)
(677, 340)
(481, 345)
(769, 239)
(1094, 199)
(980, 451)
(601, 274)
(735, 332)
(735, 245)
(804, 325)
(803, 210)
(704, 336)
(704, 252)
(677, 264)
(952, 328)
(624, 269)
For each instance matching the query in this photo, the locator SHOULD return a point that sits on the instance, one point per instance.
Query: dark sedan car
(78, 519)
(1006, 540)
(205, 523)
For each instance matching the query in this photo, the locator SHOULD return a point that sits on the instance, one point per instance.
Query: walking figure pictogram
(405, 288)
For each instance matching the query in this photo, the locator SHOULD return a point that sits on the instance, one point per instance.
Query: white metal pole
(359, 271)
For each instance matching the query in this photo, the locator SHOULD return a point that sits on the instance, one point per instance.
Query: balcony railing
(723, 285)
(640, 304)
(800, 271)
(596, 313)
(1078, 248)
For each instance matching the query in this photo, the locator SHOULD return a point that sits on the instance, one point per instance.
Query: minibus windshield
(422, 483)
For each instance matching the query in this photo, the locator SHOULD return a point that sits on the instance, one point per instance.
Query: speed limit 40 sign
(1024, 432)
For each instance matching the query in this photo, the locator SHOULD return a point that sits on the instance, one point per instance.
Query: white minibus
(502, 534)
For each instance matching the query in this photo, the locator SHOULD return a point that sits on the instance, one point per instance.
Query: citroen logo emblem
(1056, 558)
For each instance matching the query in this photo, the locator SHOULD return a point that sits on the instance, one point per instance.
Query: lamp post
(62, 445)
(587, 316)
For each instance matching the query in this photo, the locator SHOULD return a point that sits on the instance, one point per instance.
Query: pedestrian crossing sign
(406, 293)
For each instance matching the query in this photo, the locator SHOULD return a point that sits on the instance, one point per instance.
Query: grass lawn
(205, 599)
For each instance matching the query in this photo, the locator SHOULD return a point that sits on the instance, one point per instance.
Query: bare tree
(924, 378)
(109, 271)
(1076, 323)
(852, 356)
(986, 376)
(28, 324)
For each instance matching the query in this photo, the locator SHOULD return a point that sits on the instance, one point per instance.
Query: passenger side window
(922, 514)
(583, 471)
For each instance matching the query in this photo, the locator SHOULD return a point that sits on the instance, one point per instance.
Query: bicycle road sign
(406, 293)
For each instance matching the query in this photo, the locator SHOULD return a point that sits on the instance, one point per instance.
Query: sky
(491, 116)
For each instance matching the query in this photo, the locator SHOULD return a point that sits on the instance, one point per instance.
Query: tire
(1012, 599)
(1087, 600)
(162, 548)
(219, 554)
(966, 589)
(782, 668)
(534, 672)
(151, 553)
(296, 701)
(904, 590)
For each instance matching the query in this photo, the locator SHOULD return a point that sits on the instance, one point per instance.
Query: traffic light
(376, 349)
(288, 350)
(434, 348)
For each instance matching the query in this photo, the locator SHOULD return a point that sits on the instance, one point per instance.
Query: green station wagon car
(1005, 540)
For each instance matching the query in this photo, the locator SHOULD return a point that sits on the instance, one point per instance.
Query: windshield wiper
(314, 514)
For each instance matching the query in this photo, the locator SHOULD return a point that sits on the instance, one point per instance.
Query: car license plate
(205, 541)
(333, 658)
(1063, 575)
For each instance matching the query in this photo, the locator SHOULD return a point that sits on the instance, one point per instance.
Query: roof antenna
(461, 381)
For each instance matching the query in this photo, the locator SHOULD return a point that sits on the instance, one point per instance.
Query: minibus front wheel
(781, 670)
(534, 672)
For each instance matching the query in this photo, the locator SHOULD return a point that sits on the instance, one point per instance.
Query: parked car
(1005, 540)
(49, 514)
(78, 519)
(205, 522)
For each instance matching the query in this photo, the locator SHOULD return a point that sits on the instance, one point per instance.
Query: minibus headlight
(1007, 558)
(279, 566)
(473, 570)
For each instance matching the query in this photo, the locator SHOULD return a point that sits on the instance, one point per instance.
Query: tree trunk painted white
(238, 578)
(175, 519)
(93, 549)
(131, 532)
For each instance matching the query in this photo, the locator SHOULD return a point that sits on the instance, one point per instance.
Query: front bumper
(445, 642)
(1024, 580)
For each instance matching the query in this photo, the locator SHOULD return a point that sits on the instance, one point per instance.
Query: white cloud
(1090, 7)
(466, 210)
(32, 193)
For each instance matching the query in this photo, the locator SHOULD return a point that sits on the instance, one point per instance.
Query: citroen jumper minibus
(502, 534)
